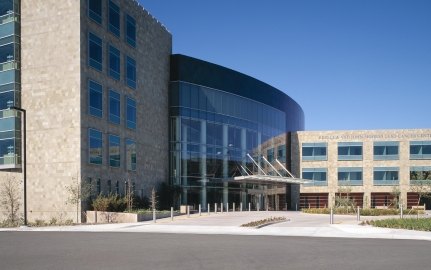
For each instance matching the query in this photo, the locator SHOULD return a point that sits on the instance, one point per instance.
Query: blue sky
(363, 64)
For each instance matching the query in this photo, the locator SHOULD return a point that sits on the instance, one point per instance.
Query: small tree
(78, 191)
(128, 196)
(10, 199)
(343, 200)
(422, 188)
(153, 199)
(395, 197)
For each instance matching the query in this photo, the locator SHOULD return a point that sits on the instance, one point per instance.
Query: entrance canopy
(268, 179)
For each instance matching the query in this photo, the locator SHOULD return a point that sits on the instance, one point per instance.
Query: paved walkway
(297, 224)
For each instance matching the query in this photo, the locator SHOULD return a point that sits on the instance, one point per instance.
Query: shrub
(110, 203)
(421, 224)
(263, 222)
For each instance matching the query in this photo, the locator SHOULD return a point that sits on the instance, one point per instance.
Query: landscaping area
(264, 222)
(363, 212)
(421, 224)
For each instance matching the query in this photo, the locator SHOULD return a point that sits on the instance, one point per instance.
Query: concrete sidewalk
(297, 224)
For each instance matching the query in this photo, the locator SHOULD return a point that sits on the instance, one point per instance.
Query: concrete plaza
(296, 224)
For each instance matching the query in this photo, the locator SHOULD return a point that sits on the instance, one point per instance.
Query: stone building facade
(373, 166)
(94, 83)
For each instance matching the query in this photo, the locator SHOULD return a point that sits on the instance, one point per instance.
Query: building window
(349, 151)
(114, 107)
(130, 30)
(314, 151)
(131, 155)
(114, 18)
(420, 175)
(350, 176)
(130, 113)
(130, 72)
(114, 63)
(95, 149)
(270, 154)
(114, 151)
(386, 150)
(386, 176)
(109, 186)
(420, 150)
(317, 175)
(95, 93)
(117, 187)
(281, 153)
(95, 51)
(95, 10)
(99, 187)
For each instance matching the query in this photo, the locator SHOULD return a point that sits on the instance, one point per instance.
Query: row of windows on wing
(110, 187)
(95, 105)
(353, 151)
(353, 176)
(115, 149)
(95, 60)
(95, 8)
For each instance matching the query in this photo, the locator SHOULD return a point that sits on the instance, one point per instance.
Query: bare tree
(78, 191)
(10, 198)
(153, 199)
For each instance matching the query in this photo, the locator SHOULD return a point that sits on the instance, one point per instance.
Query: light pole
(24, 157)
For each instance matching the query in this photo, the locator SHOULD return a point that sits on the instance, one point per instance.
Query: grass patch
(364, 212)
(421, 224)
(263, 222)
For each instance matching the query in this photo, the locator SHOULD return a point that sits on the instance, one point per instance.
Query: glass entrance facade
(215, 122)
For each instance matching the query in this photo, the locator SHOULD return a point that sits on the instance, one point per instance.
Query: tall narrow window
(114, 63)
(130, 72)
(131, 155)
(109, 186)
(95, 93)
(99, 186)
(95, 146)
(130, 113)
(114, 18)
(114, 107)
(95, 10)
(114, 151)
(95, 51)
(131, 31)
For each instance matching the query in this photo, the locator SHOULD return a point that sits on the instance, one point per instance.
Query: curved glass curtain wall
(10, 127)
(211, 133)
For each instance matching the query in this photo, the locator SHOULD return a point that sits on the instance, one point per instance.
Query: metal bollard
(227, 207)
(401, 212)
(154, 215)
(221, 207)
(188, 210)
(258, 207)
(296, 207)
(240, 207)
(249, 207)
(233, 208)
(208, 209)
(215, 208)
(172, 214)
(331, 217)
(200, 210)
(358, 214)
(267, 207)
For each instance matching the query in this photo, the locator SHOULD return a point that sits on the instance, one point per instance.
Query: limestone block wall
(367, 137)
(152, 55)
(50, 71)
